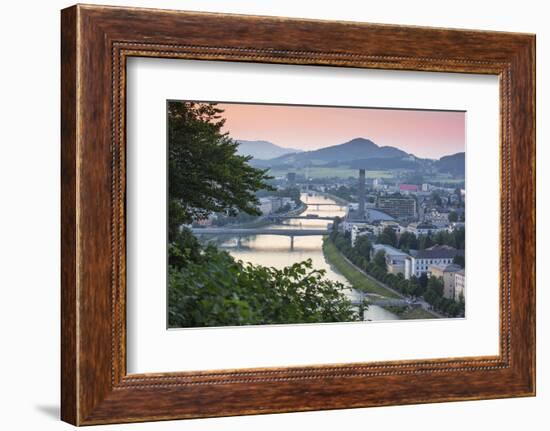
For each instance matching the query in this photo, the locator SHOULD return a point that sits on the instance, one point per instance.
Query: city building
(419, 260)
(265, 206)
(393, 225)
(460, 282)
(398, 206)
(291, 177)
(288, 201)
(276, 204)
(361, 194)
(375, 215)
(437, 216)
(447, 272)
(272, 204)
(348, 225)
(360, 229)
(372, 215)
(455, 226)
(423, 228)
(395, 258)
(377, 183)
(408, 188)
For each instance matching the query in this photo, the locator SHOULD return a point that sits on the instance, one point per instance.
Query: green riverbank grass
(417, 313)
(355, 277)
(406, 313)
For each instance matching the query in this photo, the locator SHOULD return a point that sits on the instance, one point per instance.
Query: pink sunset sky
(429, 134)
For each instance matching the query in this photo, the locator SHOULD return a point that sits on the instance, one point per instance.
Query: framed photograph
(283, 215)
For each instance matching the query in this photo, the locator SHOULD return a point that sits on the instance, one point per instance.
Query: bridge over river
(300, 217)
(240, 232)
(259, 231)
(315, 205)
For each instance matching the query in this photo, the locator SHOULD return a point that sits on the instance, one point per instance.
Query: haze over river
(276, 251)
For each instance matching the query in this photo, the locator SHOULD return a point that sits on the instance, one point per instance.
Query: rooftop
(388, 249)
(396, 196)
(422, 225)
(408, 187)
(437, 252)
(378, 215)
(451, 267)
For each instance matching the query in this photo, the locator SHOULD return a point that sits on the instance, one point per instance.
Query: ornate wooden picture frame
(96, 41)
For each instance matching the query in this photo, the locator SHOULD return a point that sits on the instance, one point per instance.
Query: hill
(262, 150)
(361, 153)
(356, 149)
(382, 163)
(453, 164)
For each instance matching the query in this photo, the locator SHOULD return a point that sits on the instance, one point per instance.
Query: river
(276, 251)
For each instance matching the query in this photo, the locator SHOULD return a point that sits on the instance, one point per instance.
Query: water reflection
(277, 251)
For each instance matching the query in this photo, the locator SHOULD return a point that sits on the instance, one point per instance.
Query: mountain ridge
(261, 149)
(454, 164)
(358, 153)
(357, 148)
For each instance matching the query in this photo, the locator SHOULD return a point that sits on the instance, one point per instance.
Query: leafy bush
(207, 287)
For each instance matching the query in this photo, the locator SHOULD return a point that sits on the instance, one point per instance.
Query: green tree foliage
(459, 238)
(423, 280)
(336, 225)
(434, 296)
(459, 260)
(414, 178)
(207, 287)
(388, 236)
(379, 260)
(430, 288)
(240, 218)
(344, 192)
(424, 241)
(435, 284)
(458, 194)
(436, 198)
(205, 174)
(408, 241)
(418, 286)
(363, 247)
(378, 271)
(456, 239)
(453, 217)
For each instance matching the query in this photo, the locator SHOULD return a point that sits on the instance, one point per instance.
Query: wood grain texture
(69, 397)
(96, 41)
